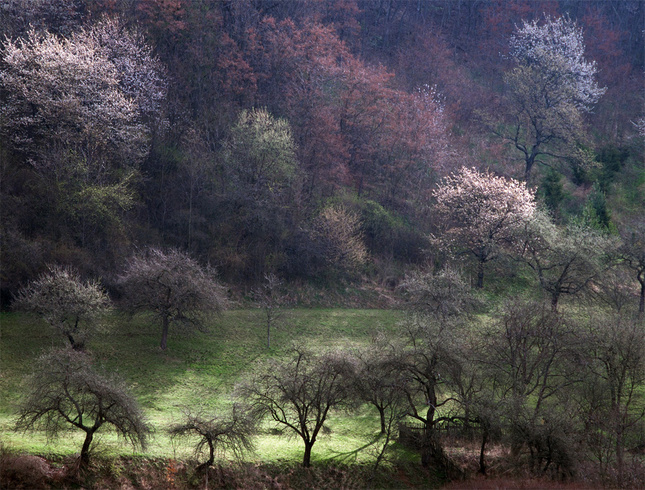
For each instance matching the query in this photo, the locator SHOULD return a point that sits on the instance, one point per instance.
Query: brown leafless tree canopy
(67, 392)
(172, 287)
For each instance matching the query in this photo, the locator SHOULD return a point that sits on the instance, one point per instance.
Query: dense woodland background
(268, 136)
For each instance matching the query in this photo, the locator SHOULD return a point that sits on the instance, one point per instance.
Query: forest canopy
(231, 130)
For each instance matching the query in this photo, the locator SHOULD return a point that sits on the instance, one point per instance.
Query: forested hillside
(467, 175)
(310, 139)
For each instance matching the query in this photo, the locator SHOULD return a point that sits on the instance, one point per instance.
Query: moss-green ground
(200, 369)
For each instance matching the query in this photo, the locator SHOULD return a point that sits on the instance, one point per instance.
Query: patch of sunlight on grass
(198, 370)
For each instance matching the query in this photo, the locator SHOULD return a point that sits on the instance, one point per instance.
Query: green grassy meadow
(199, 369)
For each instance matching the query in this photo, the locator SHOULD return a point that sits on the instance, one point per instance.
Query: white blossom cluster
(556, 50)
(482, 210)
(85, 94)
(141, 75)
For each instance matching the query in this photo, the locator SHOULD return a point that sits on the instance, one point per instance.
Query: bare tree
(229, 432)
(65, 391)
(632, 251)
(66, 303)
(268, 298)
(529, 360)
(380, 382)
(173, 287)
(442, 295)
(300, 392)
(439, 304)
(566, 260)
(613, 349)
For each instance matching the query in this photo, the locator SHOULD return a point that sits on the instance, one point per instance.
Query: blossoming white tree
(480, 212)
(80, 110)
(69, 305)
(548, 91)
(80, 95)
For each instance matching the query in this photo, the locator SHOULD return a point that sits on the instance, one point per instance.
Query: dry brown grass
(499, 483)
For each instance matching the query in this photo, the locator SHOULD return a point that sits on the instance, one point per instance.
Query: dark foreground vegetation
(186, 183)
(518, 395)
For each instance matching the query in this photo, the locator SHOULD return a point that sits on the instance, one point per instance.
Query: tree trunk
(427, 445)
(426, 449)
(164, 333)
(306, 459)
(482, 452)
(381, 412)
(530, 160)
(211, 452)
(620, 454)
(85, 450)
(641, 303)
(480, 274)
(77, 346)
(555, 296)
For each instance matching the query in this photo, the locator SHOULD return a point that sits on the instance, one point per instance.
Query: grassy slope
(195, 369)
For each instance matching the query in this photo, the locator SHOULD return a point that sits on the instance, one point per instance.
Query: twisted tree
(65, 391)
(231, 431)
(299, 392)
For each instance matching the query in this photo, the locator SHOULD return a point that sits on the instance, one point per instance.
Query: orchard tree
(549, 90)
(632, 253)
(443, 295)
(69, 305)
(231, 431)
(299, 392)
(172, 287)
(380, 382)
(65, 391)
(528, 357)
(613, 352)
(438, 306)
(565, 259)
(480, 213)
